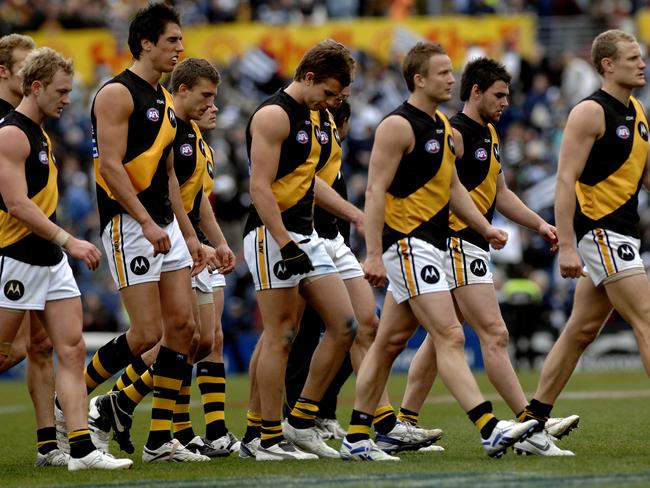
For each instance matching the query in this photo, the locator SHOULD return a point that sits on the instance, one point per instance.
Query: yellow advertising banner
(379, 37)
(643, 26)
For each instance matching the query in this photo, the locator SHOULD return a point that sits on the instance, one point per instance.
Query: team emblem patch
(450, 143)
(478, 267)
(481, 154)
(323, 138)
(202, 146)
(337, 136)
(496, 152)
(211, 170)
(625, 252)
(43, 158)
(432, 146)
(139, 265)
(172, 116)
(186, 150)
(14, 290)
(623, 132)
(643, 131)
(302, 137)
(153, 114)
(430, 274)
(280, 271)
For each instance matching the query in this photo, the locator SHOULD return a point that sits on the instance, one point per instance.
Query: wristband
(61, 238)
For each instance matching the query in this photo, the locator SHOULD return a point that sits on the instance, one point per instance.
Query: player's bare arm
(585, 125)
(209, 225)
(189, 234)
(328, 199)
(393, 138)
(269, 129)
(511, 206)
(113, 107)
(13, 188)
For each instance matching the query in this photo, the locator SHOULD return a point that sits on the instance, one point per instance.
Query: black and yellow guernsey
(191, 156)
(293, 186)
(152, 128)
(417, 200)
(16, 240)
(329, 169)
(478, 171)
(608, 188)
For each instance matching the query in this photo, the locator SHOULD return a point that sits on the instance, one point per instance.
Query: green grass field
(612, 445)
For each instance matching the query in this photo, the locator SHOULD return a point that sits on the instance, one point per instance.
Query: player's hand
(496, 237)
(375, 272)
(199, 259)
(85, 251)
(295, 259)
(227, 259)
(211, 258)
(548, 233)
(570, 263)
(157, 236)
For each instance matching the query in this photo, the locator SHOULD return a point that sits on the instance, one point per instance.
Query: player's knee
(497, 337)
(140, 341)
(367, 330)
(40, 348)
(351, 327)
(204, 348)
(73, 354)
(453, 336)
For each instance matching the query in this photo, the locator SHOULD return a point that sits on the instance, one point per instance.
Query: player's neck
(8, 96)
(420, 101)
(295, 91)
(471, 112)
(146, 72)
(30, 109)
(622, 94)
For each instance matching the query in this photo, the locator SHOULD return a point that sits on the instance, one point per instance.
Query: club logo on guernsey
(202, 147)
(186, 150)
(153, 114)
(430, 274)
(14, 290)
(622, 132)
(280, 271)
(450, 143)
(302, 137)
(42, 157)
(211, 169)
(323, 138)
(481, 154)
(643, 131)
(337, 136)
(432, 146)
(496, 152)
(625, 252)
(172, 117)
(139, 265)
(478, 267)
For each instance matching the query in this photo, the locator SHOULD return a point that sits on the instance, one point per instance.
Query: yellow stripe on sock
(485, 418)
(214, 416)
(359, 429)
(201, 380)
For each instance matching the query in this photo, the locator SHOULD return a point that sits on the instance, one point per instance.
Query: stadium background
(256, 45)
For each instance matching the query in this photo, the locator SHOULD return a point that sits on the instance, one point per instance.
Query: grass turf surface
(611, 445)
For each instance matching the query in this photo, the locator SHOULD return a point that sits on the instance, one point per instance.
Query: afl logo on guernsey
(302, 137)
(186, 150)
(432, 146)
(643, 131)
(42, 157)
(481, 154)
(153, 114)
(623, 132)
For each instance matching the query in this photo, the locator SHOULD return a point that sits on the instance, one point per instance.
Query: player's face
(53, 98)
(493, 101)
(322, 95)
(15, 82)
(629, 67)
(199, 98)
(208, 120)
(166, 52)
(335, 103)
(440, 78)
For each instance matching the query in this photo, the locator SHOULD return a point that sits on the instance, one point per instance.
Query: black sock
(483, 418)
(359, 428)
(46, 440)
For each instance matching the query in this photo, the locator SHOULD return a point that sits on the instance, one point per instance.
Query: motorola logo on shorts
(14, 290)
(625, 252)
(478, 267)
(139, 265)
(280, 271)
(430, 274)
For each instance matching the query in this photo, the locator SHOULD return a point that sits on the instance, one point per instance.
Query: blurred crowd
(542, 92)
